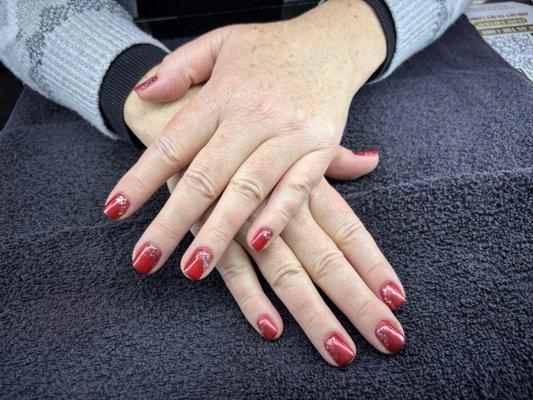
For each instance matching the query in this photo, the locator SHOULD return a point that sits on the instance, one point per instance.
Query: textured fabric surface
(450, 205)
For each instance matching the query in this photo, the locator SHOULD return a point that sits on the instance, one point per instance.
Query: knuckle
(220, 234)
(232, 271)
(349, 234)
(248, 188)
(287, 276)
(167, 150)
(136, 183)
(300, 188)
(367, 306)
(199, 182)
(282, 215)
(164, 226)
(315, 316)
(327, 264)
(376, 266)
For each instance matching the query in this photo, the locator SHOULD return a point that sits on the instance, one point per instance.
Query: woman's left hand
(268, 121)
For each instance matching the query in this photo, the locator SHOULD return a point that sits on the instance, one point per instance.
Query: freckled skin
(284, 71)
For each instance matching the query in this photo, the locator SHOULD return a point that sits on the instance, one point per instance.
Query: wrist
(357, 37)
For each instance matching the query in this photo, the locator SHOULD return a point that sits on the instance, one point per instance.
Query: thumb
(348, 164)
(188, 65)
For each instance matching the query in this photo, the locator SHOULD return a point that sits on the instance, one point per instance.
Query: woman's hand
(268, 121)
(338, 255)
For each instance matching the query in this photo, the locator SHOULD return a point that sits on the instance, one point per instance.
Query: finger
(292, 285)
(350, 164)
(240, 278)
(199, 187)
(183, 137)
(329, 269)
(338, 220)
(248, 187)
(189, 65)
(286, 199)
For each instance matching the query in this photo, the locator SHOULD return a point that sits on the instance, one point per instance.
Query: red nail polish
(392, 296)
(267, 328)
(367, 153)
(389, 336)
(146, 258)
(117, 206)
(198, 264)
(143, 85)
(339, 350)
(261, 239)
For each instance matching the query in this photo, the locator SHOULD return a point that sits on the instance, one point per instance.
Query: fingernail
(261, 239)
(267, 328)
(146, 258)
(392, 296)
(197, 264)
(339, 350)
(389, 336)
(116, 206)
(367, 153)
(143, 85)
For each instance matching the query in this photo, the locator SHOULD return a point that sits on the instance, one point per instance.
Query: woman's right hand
(338, 255)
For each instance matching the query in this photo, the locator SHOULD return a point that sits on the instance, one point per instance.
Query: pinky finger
(238, 273)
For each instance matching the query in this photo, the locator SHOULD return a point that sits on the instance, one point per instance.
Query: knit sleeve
(417, 24)
(63, 48)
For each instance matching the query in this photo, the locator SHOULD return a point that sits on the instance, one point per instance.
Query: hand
(338, 255)
(269, 119)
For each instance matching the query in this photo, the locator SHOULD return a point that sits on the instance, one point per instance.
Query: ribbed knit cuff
(418, 23)
(124, 72)
(387, 23)
(79, 53)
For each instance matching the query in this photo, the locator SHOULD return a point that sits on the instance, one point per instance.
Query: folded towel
(450, 205)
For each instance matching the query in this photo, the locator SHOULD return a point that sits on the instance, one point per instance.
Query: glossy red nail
(146, 259)
(392, 296)
(198, 264)
(116, 206)
(267, 328)
(261, 239)
(339, 350)
(367, 153)
(143, 85)
(389, 336)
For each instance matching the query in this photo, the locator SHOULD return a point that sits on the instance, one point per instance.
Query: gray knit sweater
(63, 48)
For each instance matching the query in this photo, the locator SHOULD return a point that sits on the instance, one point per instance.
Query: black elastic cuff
(123, 73)
(385, 17)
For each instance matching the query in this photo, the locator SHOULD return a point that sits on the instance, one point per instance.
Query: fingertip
(268, 328)
(144, 85)
(197, 264)
(261, 239)
(352, 164)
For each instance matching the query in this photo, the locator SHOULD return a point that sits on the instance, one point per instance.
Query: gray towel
(450, 205)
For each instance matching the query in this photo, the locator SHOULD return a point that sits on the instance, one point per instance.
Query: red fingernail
(339, 350)
(267, 328)
(392, 296)
(198, 263)
(146, 258)
(261, 239)
(369, 152)
(389, 336)
(117, 206)
(143, 85)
